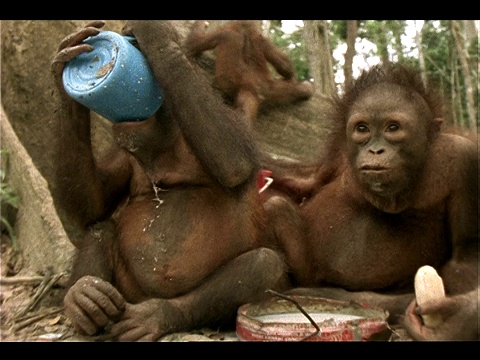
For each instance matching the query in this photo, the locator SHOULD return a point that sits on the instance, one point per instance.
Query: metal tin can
(114, 79)
(279, 319)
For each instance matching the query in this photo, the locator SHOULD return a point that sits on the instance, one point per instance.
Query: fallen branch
(14, 280)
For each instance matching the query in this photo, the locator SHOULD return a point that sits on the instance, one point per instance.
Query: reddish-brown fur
(392, 194)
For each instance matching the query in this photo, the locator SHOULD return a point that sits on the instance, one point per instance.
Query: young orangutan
(393, 193)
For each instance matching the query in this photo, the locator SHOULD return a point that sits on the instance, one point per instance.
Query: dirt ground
(31, 311)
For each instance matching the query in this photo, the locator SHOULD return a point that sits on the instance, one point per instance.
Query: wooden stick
(14, 280)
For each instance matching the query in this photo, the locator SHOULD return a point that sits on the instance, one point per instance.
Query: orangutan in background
(242, 72)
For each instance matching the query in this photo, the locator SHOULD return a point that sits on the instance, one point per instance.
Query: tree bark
(382, 43)
(421, 57)
(462, 53)
(352, 30)
(398, 28)
(317, 42)
(42, 240)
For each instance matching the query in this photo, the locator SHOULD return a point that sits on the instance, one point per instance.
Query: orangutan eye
(363, 128)
(393, 127)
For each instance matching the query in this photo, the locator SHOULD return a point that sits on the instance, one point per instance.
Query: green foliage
(441, 61)
(7, 197)
(292, 45)
(436, 39)
(473, 52)
(443, 64)
(339, 30)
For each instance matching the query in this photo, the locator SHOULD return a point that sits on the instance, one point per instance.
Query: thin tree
(398, 28)
(455, 92)
(265, 26)
(461, 49)
(352, 31)
(419, 44)
(382, 41)
(316, 36)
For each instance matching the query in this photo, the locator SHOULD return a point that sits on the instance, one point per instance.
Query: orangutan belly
(168, 246)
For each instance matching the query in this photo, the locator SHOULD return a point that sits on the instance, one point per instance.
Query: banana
(429, 286)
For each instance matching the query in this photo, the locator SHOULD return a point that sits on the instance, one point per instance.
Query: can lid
(114, 79)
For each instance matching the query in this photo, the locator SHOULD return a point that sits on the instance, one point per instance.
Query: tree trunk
(462, 53)
(316, 38)
(41, 239)
(352, 30)
(458, 113)
(471, 31)
(265, 26)
(398, 28)
(382, 43)
(421, 57)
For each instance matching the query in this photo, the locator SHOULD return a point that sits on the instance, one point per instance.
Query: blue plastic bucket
(114, 79)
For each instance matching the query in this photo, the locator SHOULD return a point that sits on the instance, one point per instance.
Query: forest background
(333, 52)
(35, 245)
